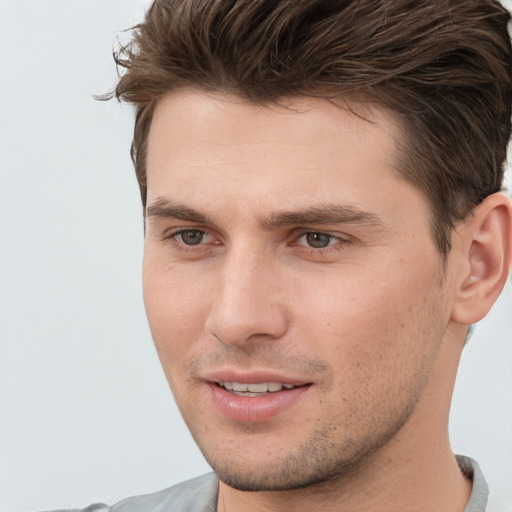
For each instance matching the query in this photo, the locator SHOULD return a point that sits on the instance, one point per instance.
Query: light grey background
(85, 413)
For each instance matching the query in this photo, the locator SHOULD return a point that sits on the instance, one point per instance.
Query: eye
(318, 240)
(189, 242)
(190, 236)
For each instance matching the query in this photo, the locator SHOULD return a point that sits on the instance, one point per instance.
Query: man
(323, 220)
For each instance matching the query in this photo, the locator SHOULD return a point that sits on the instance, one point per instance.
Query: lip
(255, 409)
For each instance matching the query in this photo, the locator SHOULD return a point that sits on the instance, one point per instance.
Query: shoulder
(481, 499)
(198, 494)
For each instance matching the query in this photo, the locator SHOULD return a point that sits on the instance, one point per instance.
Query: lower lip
(255, 408)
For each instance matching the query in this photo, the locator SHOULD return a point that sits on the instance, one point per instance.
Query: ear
(487, 253)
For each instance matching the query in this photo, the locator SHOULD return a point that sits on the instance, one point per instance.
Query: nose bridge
(247, 300)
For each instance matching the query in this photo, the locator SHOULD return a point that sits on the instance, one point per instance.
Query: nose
(247, 300)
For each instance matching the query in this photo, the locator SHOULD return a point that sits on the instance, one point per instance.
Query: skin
(369, 321)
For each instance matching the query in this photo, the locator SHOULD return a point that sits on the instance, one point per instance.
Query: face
(292, 286)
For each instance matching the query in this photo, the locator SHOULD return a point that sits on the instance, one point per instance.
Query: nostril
(237, 326)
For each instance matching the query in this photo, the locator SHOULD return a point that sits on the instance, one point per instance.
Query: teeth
(254, 389)
(258, 388)
(239, 387)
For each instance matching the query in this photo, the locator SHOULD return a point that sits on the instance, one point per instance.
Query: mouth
(257, 398)
(256, 389)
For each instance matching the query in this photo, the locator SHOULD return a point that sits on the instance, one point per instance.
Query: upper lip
(252, 377)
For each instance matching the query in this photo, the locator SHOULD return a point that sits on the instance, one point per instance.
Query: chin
(287, 477)
(318, 463)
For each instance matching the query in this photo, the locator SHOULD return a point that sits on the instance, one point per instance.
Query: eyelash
(331, 238)
(182, 246)
(339, 245)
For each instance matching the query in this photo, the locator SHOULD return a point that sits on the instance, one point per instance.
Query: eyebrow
(165, 208)
(321, 214)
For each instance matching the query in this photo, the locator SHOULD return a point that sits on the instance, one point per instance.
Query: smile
(255, 401)
(252, 390)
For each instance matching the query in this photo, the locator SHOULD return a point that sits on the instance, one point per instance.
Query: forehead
(204, 113)
(305, 140)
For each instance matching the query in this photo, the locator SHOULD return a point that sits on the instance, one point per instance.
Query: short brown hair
(443, 65)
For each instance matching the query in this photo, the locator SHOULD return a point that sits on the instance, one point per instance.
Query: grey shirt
(200, 495)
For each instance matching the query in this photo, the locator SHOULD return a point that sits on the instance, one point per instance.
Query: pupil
(318, 240)
(192, 237)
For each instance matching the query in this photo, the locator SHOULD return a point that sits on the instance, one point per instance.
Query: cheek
(382, 321)
(382, 349)
(176, 306)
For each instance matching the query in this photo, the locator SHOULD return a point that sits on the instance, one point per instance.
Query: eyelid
(341, 243)
(333, 234)
(209, 242)
(329, 235)
(174, 232)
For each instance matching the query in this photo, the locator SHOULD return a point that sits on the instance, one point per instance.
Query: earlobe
(488, 254)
